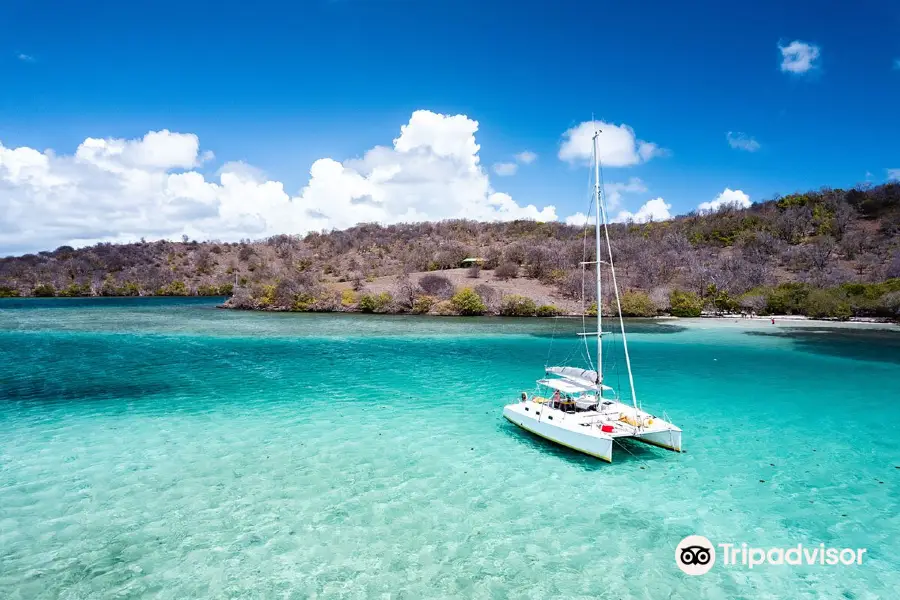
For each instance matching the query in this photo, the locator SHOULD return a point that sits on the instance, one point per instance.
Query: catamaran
(582, 412)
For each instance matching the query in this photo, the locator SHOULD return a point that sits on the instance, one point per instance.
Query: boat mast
(597, 266)
(601, 211)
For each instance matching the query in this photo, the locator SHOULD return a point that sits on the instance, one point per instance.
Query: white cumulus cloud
(578, 219)
(798, 57)
(729, 197)
(893, 174)
(614, 192)
(741, 141)
(618, 146)
(652, 210)
(156, 151)
(121, 190)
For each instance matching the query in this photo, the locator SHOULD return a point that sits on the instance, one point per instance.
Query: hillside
(830, 253)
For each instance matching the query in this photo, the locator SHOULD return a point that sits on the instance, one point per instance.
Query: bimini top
(583, 378)
(563, 386)
(569, 387)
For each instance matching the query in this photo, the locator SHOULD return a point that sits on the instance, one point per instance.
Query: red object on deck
(607, 429)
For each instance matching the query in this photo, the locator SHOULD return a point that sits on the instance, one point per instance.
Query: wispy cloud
(526, 158)
(799, 57)
(893, 174)
(505, 169)
(25, 57)
(741, 141)
(615, 190)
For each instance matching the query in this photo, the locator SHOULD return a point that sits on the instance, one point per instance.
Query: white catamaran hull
(582, 431)
(569, 433)
(670, 439)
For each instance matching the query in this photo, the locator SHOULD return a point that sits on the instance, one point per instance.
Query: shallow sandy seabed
(159, 448)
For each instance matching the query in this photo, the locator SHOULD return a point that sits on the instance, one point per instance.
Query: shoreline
(714, 321)
(702, 321)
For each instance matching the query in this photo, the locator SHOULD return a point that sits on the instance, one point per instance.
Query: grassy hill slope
(830, 253)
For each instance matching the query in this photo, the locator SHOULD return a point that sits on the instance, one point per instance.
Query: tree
(824, 304)
(467, 302)
(685, 304)
(205, 262)
(450, 255)
(443, 308)
(636, 303)
(719, 300)
(405, 293)
(245, 252)
(893, 268)
(436, 285)
(787, 299)
(517, 306)
(753, 302)
(176, 288)
(44, 290)
(538, 262)
(490, 296)
(507, 270)
(423, 304)
(547, 310)
(891, 304)
(374, 303)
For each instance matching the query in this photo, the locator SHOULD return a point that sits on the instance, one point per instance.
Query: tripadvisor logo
(696, 555)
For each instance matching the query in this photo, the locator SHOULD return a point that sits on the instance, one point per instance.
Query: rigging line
(614, 347)
(614, 337)
(550, 347)
(612, 271)
(586, 351)
(633, 455)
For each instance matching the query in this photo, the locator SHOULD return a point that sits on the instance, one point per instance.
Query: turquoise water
(160, 448)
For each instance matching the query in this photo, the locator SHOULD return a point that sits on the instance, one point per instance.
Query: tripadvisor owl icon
(695, 555)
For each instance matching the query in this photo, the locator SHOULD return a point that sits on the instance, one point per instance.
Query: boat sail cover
(582, 377)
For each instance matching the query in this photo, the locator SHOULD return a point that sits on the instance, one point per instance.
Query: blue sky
(280, 85)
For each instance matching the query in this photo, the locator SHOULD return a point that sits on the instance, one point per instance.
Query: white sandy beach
(762, 323)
